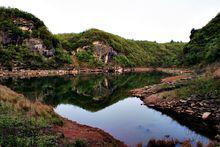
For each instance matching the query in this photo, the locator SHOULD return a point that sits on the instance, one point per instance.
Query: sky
(153, 20)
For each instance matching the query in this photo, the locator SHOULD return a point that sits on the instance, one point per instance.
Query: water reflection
(90, 92)
(131, 122)
(103, 101)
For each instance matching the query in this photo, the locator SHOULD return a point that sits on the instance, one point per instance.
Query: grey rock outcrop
(36, 45)
(103, 51)
(100, 50)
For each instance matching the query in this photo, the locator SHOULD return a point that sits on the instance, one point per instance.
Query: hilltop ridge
(118, 51)
(204, 45)
(26, 43)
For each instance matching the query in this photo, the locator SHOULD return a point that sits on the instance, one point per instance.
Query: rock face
(24, 24)
(36, 45)
(26, 43)
(103, 52)
(206, 115)
(100, 50)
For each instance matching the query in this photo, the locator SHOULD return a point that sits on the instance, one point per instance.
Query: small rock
(60, 135)
(217, 137)
(189, 111)
(205, 115)
(201, 104)
(151, 105)
(183, 101)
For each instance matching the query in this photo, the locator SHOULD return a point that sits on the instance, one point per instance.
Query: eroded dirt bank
(66, 131)
(202, 115)
(94, 137)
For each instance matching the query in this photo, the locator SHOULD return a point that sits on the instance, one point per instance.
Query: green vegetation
(130, 52)
(84, 56)
(203, 87)
(204, 46)
(17, 130)
(88, 58)
(15, 53)
(16, 27)
(123, 61)
(79, 143)
(23, 123)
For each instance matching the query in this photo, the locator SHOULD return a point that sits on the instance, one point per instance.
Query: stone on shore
(217, 74)
(206, 115)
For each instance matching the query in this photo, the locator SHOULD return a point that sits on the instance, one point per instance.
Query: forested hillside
(116, 50)
(25, 42)
(204, 45)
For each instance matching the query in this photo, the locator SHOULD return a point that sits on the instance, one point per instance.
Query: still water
(131, 122)
(104, 101)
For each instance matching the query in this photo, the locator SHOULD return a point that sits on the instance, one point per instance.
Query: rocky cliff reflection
(91, 92)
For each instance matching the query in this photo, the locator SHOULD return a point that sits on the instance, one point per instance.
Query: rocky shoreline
(59, 72)
(206, 113)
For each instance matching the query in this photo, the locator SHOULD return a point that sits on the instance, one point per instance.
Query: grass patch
(202, 87)
(23, 123)
(19, 130)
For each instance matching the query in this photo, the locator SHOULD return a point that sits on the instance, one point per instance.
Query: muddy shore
(93, 137)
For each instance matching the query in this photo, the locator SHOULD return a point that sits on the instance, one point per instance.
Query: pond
(104, 101)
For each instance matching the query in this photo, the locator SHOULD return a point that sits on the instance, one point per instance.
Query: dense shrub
(137, 53)
(123, 61)
(204, 46)
(84, 56)
(15, 54)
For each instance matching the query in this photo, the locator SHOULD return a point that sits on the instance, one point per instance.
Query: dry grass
(162, 143)
(21, 103)
(186, 143)
(167, 94)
